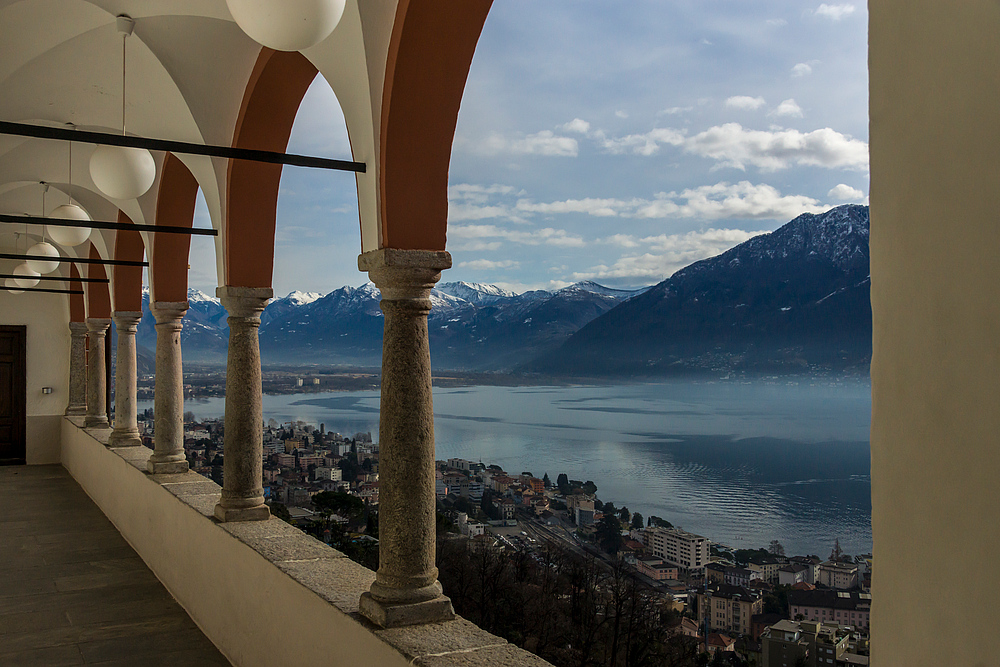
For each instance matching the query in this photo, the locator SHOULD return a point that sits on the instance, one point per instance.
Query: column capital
(78, 328)
(98, 325)
(126, 320)
(403, 275)
(244, 302)
(168, 312)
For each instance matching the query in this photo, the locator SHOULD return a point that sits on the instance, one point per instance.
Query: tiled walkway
(73, 592)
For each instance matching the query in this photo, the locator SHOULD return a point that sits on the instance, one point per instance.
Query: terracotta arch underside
(433, 42)
(98, 296)
(127, 280)
(77, 306)
(276, 87)
(175, 201)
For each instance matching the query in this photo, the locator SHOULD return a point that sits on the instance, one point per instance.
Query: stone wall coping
(326, 572)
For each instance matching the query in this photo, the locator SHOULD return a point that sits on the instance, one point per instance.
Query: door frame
(21, 397)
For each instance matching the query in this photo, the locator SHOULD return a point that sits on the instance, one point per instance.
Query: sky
(609, 140)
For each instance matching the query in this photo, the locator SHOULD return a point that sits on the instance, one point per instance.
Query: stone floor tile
(51, 656)
(72, 589)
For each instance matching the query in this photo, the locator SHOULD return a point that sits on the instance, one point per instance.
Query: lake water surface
(742, 463)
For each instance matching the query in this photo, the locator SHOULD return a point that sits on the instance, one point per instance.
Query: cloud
(475, 246)
(777, 22)
(545, 142)
(665, 254)
(834, 12)
(745, 102)
(844, 192)
(802, 69)
(623, 240)
(546, 236)
(621, 114)
(486, 264)
(673, 111)
(468, 191)
(644, 144)
(577, 125)
(787, 108)
(731, 145)
(473, 202)
(722, 201)
(601, 208)
(742, 200)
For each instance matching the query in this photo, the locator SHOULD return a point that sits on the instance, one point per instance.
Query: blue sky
(613, 141)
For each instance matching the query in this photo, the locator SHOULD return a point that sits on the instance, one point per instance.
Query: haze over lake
(739, 462)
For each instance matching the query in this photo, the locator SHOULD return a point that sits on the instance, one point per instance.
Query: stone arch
(429, 57)
(127, 280)
(175, 201)
(276, 87)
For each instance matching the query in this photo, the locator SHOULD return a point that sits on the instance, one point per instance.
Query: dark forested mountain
(794, 299)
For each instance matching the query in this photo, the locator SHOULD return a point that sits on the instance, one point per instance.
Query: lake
(742, 463)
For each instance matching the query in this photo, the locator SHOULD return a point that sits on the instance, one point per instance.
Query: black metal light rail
(41, 289)
(183, 147)
(95, 224)
(69, 280)
(79, 260)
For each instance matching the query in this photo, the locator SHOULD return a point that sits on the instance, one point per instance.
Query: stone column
(77, 369)
(242, 470)
(97, 381)
(126, 431)
(406, 590)
(168, 400)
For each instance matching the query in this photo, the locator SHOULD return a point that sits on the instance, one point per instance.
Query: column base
(124, 439)
(166, 467)
(76, 410)
(96, 422)
(232, 514)
(395, 615)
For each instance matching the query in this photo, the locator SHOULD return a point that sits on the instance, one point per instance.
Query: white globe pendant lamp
(43, 249)
(30, 276)
(122, 172)
(10, 284)
(69, 236)
(287, 25)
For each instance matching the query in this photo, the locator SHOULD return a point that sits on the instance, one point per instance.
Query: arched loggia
(274, 91)
(127, 280)
(98, 321)
(175, 202)
(168, 271)
(428, 61)
(276, 87)
(77, 403)
(430, 54)
(127, 293)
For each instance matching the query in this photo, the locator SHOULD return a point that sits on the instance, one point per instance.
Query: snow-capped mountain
(475, 293)
(796, 298)
(471, 325)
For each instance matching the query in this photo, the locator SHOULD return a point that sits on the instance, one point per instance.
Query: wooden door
(13, 381)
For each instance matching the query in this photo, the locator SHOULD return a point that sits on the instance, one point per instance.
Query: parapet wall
(263, 592)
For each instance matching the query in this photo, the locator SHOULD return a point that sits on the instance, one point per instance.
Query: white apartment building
(678, 547)
(838, 575)
(329, 474)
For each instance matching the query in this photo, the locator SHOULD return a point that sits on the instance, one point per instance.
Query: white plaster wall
(46, 317)
(935, 241)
